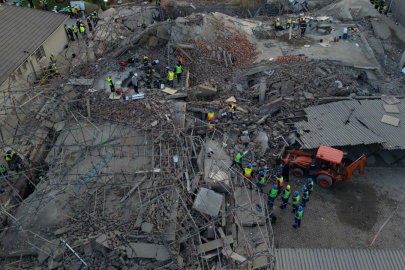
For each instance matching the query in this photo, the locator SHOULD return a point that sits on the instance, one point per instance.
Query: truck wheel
(324, 181)
(298, 172)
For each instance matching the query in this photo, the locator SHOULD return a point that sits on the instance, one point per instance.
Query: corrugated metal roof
(23, 29)
(339, 259)
(326, 125)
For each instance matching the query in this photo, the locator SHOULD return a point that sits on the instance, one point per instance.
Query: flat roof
(23, 31)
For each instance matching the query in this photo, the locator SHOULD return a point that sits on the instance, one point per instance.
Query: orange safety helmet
(285, 160)
(110, 76)
(229, 104)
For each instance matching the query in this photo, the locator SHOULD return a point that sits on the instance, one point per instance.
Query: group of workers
(302, 24)
(51, 70)
(277, 191)
(212, 119)
(151, 79)
(73, 31)
(73, 11)
(179, 72)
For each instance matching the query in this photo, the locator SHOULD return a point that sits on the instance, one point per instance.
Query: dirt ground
(349, 215)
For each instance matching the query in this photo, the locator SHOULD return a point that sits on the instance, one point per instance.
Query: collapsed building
(126, 181)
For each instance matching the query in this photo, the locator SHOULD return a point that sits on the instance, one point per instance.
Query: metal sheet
(326, 125)
(339, 259)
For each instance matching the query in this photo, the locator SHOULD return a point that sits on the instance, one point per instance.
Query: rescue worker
(41, 4)
(145, 62)
(278, 25)
(248, 173)
(300, 18)
(377, 4)
(158, 3)
(295, 202)
(232, 114)
(286, 170)
(179, 71)
(13, 159)
(210, 115)
(131, 61)
(52, 58)
(74, 12)
(95, 17)
(66, 31)
(288, 22)
(286, 196)
(78, 23)
(75, 32)
(89, 24)
(280, 183)
(260, 181)
(310, 187)
(211, 126)
(305, 196)
(170, 77)
(180, 60)
(298, 217)
(303, 27)
(69, 12)
(168, 19)
(82, 30)
(4, 172)
(111, 84)
(148, 81)
(272, 196)
(135, 82)
(238, 160)
(70, 31)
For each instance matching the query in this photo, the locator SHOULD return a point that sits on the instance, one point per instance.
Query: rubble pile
(289, 59)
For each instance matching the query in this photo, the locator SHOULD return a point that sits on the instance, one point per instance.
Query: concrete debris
(141, 178)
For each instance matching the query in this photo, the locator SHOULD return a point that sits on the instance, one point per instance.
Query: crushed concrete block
(145, 250)
(277, 86)
(111, 12)
(205, 91)
(239, 88)
(309, 95)
(208, 202)
(163, 32)
(214, 244)
(263, 140)
(147, 227)
(44, 253)
(244, 139)
(61, 231)
(381, 29)
(320, 72)
(181, 20)
(153, 41)
(287, 88)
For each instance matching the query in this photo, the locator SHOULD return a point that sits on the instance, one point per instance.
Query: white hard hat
(278, 18)
(157, 61)
(135, 74)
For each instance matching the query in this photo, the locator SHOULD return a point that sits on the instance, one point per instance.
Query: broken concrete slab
(377, 45)
(287, 88)
(214, 244)
(208, 202)
(271, 107)
(381, 29)
(111, 12)
(205, 91)
(391, 108)
(146, 250)
(147, 227)
(153, 41)
(390, 120)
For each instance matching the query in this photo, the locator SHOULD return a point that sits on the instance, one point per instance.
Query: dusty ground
(348, 215)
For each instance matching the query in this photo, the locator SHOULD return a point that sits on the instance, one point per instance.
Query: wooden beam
(183, 51)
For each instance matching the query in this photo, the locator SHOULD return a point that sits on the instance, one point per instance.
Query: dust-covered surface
(349, 215)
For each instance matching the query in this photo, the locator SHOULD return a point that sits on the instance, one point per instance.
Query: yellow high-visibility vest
(171, 75)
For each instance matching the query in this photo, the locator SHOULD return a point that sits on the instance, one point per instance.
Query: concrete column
(402, 62)
(262, 90)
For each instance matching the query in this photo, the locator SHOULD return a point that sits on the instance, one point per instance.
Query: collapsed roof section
(353, 123)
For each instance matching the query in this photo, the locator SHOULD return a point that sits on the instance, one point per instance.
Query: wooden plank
(169, 91)
(188, 79)
(223, 212)
(183, 51)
